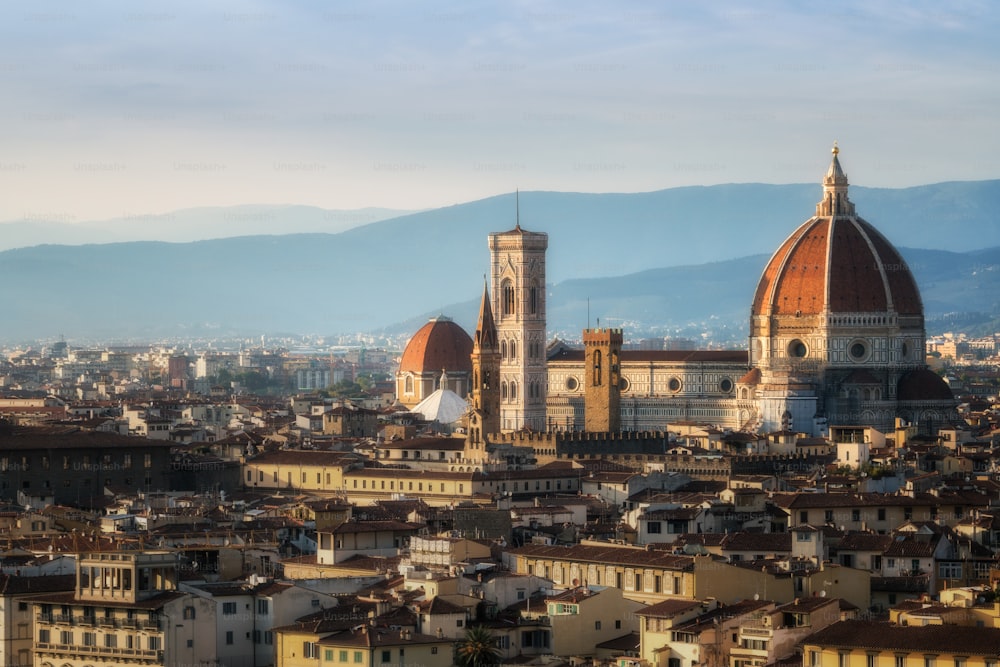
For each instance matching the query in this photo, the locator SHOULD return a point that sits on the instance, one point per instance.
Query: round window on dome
(858, 350)
(623, 384)
(797, 349)
(674, 384)
(572, 384)
(726, 385)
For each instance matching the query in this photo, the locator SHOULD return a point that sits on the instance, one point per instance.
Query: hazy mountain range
(185, 225)
(676, 261)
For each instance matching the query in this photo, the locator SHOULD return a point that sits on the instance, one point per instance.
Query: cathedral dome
(836, 263)
(438, 345)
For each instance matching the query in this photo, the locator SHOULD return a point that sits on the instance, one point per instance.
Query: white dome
(443, 406)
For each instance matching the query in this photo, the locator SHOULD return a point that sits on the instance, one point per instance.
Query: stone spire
(486, 328)
(835, 201)
(484, 406)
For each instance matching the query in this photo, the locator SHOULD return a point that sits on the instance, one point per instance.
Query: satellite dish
(822, 594)
(756, 596)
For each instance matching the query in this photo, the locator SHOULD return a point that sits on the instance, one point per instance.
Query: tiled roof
(303, 457)
(855, 541)
(11, 584)
(375, 526)
(71, 437)
(758, 542)
(801, 501)
(438, 605)
(668, 608)
(155, 602)
(720, 614)
(936, 639)
(605, 555)
(629, 642)
(909, 547)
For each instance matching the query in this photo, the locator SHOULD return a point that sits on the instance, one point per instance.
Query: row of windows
(898, 660)
(83, 463)
(110, 640)
(628, 579)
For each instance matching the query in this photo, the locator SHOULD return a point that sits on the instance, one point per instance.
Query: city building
(126, 609)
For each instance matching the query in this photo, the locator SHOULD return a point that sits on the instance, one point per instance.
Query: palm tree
(478, 649)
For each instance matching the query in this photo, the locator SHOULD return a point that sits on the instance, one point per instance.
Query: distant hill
(192, 224)
(679, 261)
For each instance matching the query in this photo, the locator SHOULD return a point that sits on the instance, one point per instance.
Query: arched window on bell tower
(507, 306)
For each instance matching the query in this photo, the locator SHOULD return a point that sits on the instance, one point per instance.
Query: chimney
(440, 633)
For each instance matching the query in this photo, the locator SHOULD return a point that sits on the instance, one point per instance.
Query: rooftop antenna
(517, 208)
(588, 312)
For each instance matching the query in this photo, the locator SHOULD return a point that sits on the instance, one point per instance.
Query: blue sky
(115, 108)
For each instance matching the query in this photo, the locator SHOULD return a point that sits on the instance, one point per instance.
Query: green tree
(345, 389)
(477, 649)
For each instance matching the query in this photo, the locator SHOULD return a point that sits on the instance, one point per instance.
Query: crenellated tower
(602, 366)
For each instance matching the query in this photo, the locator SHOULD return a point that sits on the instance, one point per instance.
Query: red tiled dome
(923, 385)
(440, 344)
(836, 263)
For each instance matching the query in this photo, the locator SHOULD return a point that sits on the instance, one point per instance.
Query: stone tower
(484, 406)
(602, 398)
(517, 262)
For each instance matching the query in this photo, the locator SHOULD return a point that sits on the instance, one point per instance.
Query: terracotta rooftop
(936, 639)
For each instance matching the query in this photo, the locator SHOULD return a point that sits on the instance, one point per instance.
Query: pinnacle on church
(835, 201)
(486, 328)
(835, 174)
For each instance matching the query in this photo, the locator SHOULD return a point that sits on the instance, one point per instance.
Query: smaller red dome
(438, 345)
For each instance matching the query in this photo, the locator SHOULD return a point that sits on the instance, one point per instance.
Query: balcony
(742, 653)
(756, 630)
(146, 654)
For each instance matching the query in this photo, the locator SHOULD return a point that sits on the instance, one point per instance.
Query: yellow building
(652, 576)
(126, 610)
(580, 618)
(299, 469)
(362, 646)
(678, 634)
(868, 644)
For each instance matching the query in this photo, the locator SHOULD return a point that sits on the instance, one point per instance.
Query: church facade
(837, 338)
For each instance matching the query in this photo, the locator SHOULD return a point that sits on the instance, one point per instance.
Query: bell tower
(517, 265)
